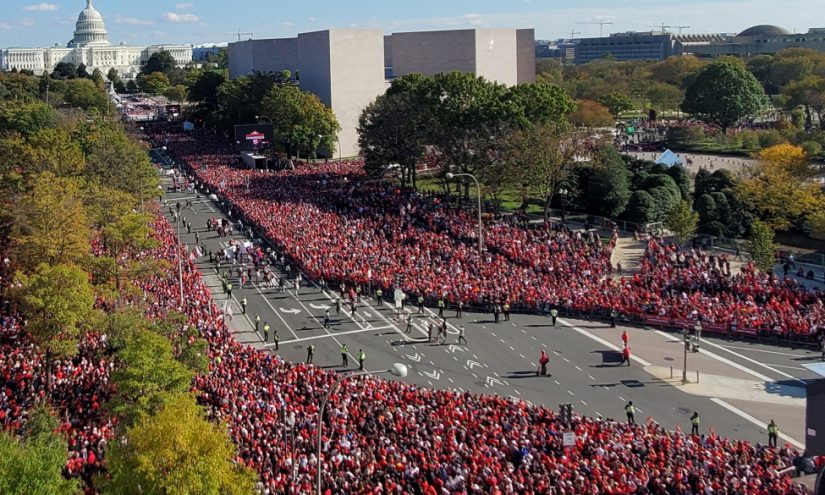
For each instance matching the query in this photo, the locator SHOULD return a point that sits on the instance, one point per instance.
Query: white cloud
(41, 7)
(473, 19)
(27, 22)
(5, 26)
(133, 21)
(183, 18)
(184, 6)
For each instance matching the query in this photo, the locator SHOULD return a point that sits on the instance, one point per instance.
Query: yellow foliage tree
(780, 188)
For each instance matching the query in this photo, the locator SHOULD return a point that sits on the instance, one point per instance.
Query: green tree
(51, 225)
(82, 71)
(176, 93)
(239, 100)
(205, 87)
(132, 86)
(617, 103)
(542, 159)
(84, 94)
(154, 83)
(393, 130)
(724, 93)
(115, 160)
(300, 118)
(147, 376)
(762, 247)
(608, 188)
(542, 104)
(54, 150)
(64, 70)
(176, 452)
(58, 302)
(161, 61)
(683, 222)
(640, 207)
(25, 118)
(661, 96)
(34, 464)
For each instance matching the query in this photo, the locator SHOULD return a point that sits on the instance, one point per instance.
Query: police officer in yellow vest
(630, 410)
(773, 432)
(420, 304)
(257, 322)
(554, 313)
(344, 356)
(361, 358)
(266, 332)
(379, 296)
(694, 424)
(441, 307)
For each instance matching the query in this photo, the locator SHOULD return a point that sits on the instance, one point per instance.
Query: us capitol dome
(90, 46)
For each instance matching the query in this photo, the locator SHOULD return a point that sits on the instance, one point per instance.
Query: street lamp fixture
(398, 370)
(451, 176)
(563, 192)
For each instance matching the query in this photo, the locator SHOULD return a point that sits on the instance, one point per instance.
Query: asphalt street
(502, 358)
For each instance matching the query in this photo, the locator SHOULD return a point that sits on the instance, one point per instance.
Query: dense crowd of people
(337, 225)
(381, 436)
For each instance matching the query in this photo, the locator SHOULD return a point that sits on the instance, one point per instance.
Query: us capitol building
(90, 46)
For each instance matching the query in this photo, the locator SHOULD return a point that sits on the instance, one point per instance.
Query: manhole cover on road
(669, 359)
(684, 411)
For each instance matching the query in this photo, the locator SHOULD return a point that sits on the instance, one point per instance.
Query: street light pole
(397, 369)
(684, 362)
(180, 261)
(450, 176)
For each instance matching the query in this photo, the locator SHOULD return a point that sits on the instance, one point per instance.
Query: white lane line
(622, 398)
(532, 364)
(493, 334)
(502, 341)
(451, 380)
(599, 414)
(513, 324)
(475, 376)
(556, 353)
(721, 359)
(431, 383)
(534, 338)
(788, 367)
(755, 421)
(318, 337)
(522, 356)
(753, 361)
(765, 351)
(579, 368)
(557, 382)
(591, 377)
(602, 341)
(571, 393)
(516, 391)
(277, 313)
(511, 348)
(475, 357)
(566, 360)
(583, 402)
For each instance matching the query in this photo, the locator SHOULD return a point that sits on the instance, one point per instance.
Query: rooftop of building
(765, 30)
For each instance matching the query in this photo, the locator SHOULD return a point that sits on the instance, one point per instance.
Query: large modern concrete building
(89, 46)
(348, 68)
(506, 56)
(343, 67)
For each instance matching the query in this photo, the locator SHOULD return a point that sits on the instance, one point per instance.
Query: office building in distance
(348, 68)
(658, 45)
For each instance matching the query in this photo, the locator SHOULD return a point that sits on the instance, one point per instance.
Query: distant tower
(90, 28)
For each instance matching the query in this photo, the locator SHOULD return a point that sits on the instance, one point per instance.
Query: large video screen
(251, 137)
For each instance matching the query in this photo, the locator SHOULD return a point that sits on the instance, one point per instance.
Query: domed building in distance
(90, 46)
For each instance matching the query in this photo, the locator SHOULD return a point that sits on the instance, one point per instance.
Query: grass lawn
(510, 200)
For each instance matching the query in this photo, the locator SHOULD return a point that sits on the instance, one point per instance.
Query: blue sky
(35, 23)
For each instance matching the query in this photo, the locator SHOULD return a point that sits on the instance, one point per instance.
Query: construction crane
(573, 33)
(239, 34)
(601, 24)
(665, 27)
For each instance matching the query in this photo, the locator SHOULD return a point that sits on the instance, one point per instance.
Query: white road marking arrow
(453, 348)
(290, 311)
(318, 306)
(435, 375)
(472, 364)
(494, 381)
(416, 357)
